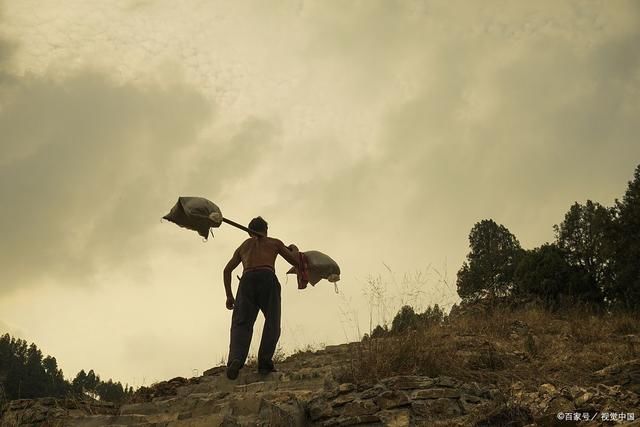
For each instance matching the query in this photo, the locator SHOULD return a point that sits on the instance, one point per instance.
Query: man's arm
(290, 255)
(226, 276)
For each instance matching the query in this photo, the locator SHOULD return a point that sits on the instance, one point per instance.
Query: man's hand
(230, 303)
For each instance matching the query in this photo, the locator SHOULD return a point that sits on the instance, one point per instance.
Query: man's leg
(244, 316)
(269, 302)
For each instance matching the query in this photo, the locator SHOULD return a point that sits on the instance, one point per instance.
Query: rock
(583, 398)
(343, 399)
(372, 392)
(257, 387)
(473, 389)
(408, 382)
(287, 413)
(436, 393)
(437, 408)
(360, 419)
(360, 407)
(245, 405)
(346, 387)
(20, 404)
(320, 409)
(626, 374)
(547, 389)
(444, 381)
(145, 408)
(470, 398)
(391, 399)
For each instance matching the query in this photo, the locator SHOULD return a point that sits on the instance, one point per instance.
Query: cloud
(89, 165)
(507, 113)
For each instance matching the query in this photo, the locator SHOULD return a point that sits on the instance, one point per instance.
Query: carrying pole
(242, 227)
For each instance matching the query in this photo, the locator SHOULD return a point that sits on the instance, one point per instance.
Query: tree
(79, 382)
(585, 237)
(432, 315)
(110, 391)
(545, 273)
(405, 320)
(625, 291)
(489, 268)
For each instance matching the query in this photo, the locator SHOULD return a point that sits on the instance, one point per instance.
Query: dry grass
(278, 357)
(502, 345)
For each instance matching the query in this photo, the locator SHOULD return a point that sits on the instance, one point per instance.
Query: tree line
(594, 260)
(26, 374)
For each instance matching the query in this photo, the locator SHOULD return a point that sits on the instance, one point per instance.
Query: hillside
(480, 366)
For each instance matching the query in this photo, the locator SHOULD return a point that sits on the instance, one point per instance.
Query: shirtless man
(259, 289)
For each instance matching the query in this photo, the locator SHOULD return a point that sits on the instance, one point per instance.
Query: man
(259, 289)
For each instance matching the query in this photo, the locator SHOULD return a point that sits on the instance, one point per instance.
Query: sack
(315, 267)
(195, 213)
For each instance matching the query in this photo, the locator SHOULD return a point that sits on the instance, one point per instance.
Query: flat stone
(444, 381)
(346, 388)
(372, 392)
(257, 387)
(48, 401)
(20, 404)
(360, 419)
(360, 407)
(436, 393)
(408, 382)
(437, 408)
(145, 408)
(342, 400)
(470, 398)
(391, 399)
(473, 388)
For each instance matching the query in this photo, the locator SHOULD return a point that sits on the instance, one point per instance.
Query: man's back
(259, 252)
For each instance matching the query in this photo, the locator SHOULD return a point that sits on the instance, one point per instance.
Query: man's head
(258, 224)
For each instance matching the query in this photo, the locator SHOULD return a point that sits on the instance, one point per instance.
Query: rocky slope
(514, 378)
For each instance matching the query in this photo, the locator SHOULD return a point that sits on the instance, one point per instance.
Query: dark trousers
(258, 290)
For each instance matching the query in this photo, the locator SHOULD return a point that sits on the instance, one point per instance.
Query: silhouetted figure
(259, 289)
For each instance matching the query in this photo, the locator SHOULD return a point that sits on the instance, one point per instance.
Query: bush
(407, 319)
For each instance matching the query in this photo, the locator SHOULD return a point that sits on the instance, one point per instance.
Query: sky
(378, 132)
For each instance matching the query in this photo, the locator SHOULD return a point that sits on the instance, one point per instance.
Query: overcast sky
(377, 132)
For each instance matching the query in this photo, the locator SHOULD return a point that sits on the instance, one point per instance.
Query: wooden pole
(242, 227)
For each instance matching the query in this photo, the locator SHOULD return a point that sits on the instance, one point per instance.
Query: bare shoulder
(243, 244)
(276, 242)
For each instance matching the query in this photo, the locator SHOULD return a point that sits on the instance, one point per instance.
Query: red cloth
(302, 272)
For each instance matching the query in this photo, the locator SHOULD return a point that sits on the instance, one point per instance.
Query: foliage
(545, 273)
(407, 319)
(585, 238)
(489, 269)
(593, 261)
(625, 291)
(26, 374)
